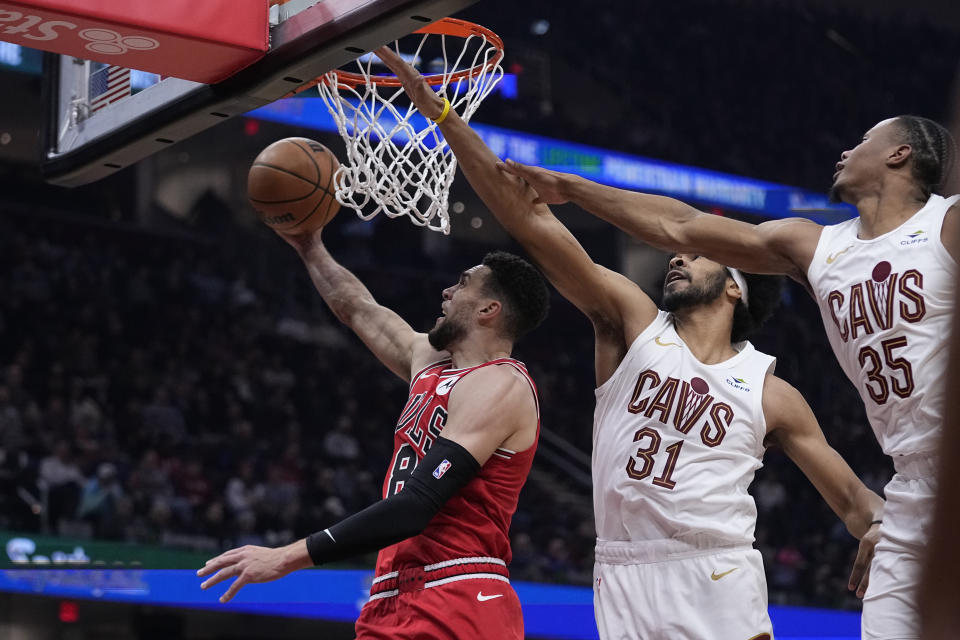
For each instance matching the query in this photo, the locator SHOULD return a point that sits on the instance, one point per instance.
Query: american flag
(107, 85)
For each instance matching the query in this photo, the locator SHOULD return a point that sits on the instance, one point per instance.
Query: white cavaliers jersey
(886, 305)
(676, 443)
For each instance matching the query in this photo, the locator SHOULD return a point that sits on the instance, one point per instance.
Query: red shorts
(458, 601)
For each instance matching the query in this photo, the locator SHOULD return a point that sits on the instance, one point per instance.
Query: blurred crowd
(772, 89)
(164, 390)
(151, 391)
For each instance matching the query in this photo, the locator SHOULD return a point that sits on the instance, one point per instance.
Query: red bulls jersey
(476, 521)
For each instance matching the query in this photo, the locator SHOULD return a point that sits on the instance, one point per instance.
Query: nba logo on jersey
(441, 469)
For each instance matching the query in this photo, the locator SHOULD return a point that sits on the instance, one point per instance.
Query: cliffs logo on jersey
(917, 237)
(738, 383)
(682, 403)
(871, 305)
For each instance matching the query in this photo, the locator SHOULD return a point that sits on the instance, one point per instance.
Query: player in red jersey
(463, 446)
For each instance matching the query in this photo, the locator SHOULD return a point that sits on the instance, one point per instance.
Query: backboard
(102, 118)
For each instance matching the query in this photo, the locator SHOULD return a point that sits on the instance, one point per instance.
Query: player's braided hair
(764, 293)
(934, 151)
(521, 288)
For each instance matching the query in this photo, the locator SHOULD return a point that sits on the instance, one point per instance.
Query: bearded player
(463, 446)
(884, 285)
(685, 409)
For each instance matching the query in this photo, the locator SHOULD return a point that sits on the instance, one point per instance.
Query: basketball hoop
(397, 163)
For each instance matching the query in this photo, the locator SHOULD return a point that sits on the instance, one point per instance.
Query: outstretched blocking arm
(384, 332)
(608, 298)
(792, 426)
(490, 407)
(777, 247)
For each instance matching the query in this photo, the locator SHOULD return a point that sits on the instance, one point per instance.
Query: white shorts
(889, 606)
(641, 592)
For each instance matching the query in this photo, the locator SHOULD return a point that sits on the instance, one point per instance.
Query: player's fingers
(212, 565)
(234, 552)
(860, 567)
(534, 176)
(388, 57)
(518, 179)
(855, 574)
(517, 169)
(407, 74)
(511, 173)
(529, 174)
(222, 560)
(221, 575)
(854, 580)
(232, 591)
(864, 583)
(396, 65)
(413, 82)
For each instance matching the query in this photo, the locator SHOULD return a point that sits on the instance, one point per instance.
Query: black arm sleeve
(445, 470)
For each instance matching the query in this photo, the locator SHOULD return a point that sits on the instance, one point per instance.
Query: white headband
(741, 282)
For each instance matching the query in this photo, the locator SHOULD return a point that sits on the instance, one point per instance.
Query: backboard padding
(310, 43)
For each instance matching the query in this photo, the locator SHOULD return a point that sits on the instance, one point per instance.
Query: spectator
(339, 443)
(163, 421)
(11, 423)
(243, 493)
(149, 479)
(191, 491)
(98, 503)
(63, 480)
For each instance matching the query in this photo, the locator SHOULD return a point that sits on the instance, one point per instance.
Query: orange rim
(444, 26)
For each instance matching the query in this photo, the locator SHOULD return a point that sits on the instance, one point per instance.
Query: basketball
(881, 271)
(290, 185)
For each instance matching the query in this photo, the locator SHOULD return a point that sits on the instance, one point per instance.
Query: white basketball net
(690, 403)
(881, 292)
(393, 166)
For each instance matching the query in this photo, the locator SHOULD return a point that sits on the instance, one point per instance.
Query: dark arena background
(171, 386)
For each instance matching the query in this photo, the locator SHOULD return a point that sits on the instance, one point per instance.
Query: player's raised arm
(384, 332)
(608, 298)
(792, 426)
(778, 247)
